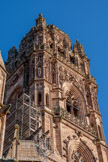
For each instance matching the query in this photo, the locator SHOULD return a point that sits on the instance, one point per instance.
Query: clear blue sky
(86, 20)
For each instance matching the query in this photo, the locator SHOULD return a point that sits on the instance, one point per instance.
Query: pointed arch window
(72, 106)
(53, 78)
(39, 99)
(68, 106)
(47, 100)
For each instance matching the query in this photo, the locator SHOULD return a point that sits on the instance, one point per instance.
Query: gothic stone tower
(2, 116)
(57, 78)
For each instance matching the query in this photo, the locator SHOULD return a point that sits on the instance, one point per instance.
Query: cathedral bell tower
(55, 75)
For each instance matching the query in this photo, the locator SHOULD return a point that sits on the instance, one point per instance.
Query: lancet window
(39, 99)
(47, 100)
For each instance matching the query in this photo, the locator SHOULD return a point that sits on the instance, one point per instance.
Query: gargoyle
(4, 109)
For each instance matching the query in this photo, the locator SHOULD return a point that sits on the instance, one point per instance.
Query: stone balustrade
(74, 120)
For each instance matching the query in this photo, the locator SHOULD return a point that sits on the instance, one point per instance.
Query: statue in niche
(94, 97)
(39, 71)
(47, 69)
(46, 73)
(88, 95)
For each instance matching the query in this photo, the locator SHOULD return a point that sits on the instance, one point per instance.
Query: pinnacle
(40, 15)
(40, 21)
(77, 41)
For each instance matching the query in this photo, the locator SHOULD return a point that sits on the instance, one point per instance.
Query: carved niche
(47, 68)
(32, 69)
(94, 98)
(53, 71)
(39, 64)
(88, 95)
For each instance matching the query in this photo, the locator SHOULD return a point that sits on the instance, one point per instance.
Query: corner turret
(12, 60)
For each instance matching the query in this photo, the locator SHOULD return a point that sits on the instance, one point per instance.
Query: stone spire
(40, 22)
(1, 61)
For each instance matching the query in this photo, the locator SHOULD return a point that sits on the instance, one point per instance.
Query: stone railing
(74, 120)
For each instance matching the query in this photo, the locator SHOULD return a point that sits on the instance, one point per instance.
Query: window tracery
(72, 106)
(77, 157)
(76, 102)
(77, 150)
(88, 95)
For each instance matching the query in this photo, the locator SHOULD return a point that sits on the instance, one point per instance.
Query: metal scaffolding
(24, 113)
(28, 116)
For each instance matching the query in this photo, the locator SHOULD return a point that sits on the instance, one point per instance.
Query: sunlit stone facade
(56, 76)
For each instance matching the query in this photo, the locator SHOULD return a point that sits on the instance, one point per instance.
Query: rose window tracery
(77, 157)
(78, 151)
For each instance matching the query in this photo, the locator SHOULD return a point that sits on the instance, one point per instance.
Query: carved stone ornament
(4, 109)
(39, 71)
(77, 157)
(47, 69)
(65, 76)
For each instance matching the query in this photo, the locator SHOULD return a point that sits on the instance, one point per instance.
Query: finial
(40, 15)
(40, 22)
(13, 46)
(77, 40)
